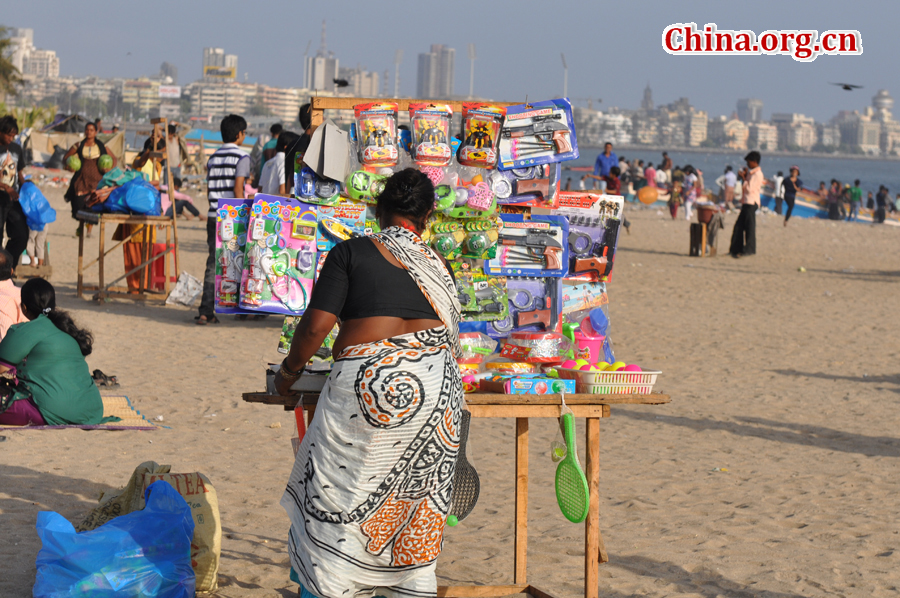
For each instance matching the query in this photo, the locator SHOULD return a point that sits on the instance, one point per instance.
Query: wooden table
(522, 408)
(142, 234)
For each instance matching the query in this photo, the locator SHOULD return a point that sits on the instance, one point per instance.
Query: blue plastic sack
(137, 196)
(38, 212)
(145, 553)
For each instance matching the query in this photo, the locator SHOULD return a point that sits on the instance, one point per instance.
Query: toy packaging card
(430, 133)
(538, 133)
(280, 256)
(579, 295)
(480, 134)
(594, 222)
(231, 239)
(534, 305)
(526, 384)
(535, 247)
(340, 222)
(482, 298)
(533, 186)
(377, 133)
(311, 188)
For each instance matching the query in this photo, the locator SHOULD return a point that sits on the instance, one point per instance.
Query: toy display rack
(522, 408)
(143, 223)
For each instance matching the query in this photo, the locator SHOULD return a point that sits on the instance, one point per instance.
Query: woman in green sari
(48, 353)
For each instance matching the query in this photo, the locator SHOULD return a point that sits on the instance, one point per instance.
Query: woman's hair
(285, 140)
(407, 193)
(38, 297)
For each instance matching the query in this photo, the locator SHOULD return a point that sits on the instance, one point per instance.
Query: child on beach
(182, 201)
(37, 241)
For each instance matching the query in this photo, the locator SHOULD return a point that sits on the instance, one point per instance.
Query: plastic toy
(280, 256)
(482, 298)
(538, 133)
(313, 189)
(480, 134)
(536, 186)
(533, 247)
(339, 222)
(365, 186)
(232, 216)
(571, 485)
(377, 133)
(594, 222)
(431, 133)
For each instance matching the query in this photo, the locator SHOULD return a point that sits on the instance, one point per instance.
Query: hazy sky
(613, 49)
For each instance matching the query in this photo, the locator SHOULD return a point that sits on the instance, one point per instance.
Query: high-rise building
(42, 64)
(363, 83)
(795, 130)
(321, 69)
(167, 69)
(763, 137)
(219, 66)
(749, 110)
(647, 102)
(436, 70)
(697, 127)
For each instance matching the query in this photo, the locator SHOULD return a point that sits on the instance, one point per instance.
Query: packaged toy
(365, 186)
(340, 222)
(480, 134)
(594, 222)
(482, 298)
(377, 133)
(533, 186)
(232, 216)
(536, 347)
(280, 256)
(430, 133)
(526, 384)
(475, 347)
(535, 247)
(538, 133)
(311, 188)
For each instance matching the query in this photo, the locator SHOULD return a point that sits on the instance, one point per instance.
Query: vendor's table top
(523, 407)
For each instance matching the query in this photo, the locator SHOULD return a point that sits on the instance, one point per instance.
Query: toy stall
(532, 263)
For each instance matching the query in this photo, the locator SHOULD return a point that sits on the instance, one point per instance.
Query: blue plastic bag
(137, 196)
(38, 212)
(145, 553)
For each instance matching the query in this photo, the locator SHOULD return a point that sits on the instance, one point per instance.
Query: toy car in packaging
(431, 133)
(480, 134)
(232, 216)
(280, 256)
(538, 133)
(377, 133)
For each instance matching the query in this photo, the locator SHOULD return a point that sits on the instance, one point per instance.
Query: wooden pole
(81, 233)
(521, 556)
(594, 550)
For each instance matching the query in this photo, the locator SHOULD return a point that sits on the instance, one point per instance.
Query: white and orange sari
(372, 481)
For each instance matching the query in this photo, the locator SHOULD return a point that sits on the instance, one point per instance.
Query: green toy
(571, 485)
(365, 186)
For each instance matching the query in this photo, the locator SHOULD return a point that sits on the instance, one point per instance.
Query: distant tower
(883, 100)
(647, 102)
(749, 110)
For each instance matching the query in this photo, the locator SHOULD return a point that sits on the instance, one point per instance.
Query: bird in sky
(848, 86)
(341, 82)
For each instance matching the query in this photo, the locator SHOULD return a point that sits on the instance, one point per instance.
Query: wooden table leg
(703, 241)
(101, 292)
(594, 550)
(81, 233)
(521, 558)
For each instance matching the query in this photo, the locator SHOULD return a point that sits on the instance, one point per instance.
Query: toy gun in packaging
(546, 129)
(540, 245)
(547, 317)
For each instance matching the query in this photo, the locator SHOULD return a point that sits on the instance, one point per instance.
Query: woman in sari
(371, 485)
(85, 180)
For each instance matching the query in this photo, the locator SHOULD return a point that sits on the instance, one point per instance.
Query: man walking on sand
(743, 238)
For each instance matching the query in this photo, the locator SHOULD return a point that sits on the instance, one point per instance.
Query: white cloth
(661, 178)
(778, 184)
(371, 485)
(272, 176)
(730, 179)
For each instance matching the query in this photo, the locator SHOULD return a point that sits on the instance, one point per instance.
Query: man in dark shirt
(298, 148)
(12, 166)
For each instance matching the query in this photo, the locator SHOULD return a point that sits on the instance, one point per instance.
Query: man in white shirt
(743, 237)
(730, 182)
(778, 184)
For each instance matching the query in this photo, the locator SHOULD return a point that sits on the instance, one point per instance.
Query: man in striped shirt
(226, 171)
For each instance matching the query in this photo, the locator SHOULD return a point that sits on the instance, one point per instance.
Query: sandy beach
(773, 472)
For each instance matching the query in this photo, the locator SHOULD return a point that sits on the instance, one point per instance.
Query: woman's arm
(314, 326)
(17, 344)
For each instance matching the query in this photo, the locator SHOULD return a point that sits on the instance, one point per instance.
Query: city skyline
(616, 69)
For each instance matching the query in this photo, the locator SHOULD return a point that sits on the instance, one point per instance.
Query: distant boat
(808, 204)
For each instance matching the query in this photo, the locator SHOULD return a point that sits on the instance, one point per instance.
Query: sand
(772, 473)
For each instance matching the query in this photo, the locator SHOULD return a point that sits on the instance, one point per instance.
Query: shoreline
(719, 150)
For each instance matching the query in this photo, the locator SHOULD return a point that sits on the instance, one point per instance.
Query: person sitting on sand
(369, 493)
(54, 384)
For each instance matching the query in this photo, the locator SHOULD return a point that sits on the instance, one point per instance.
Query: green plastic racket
(571, 485)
